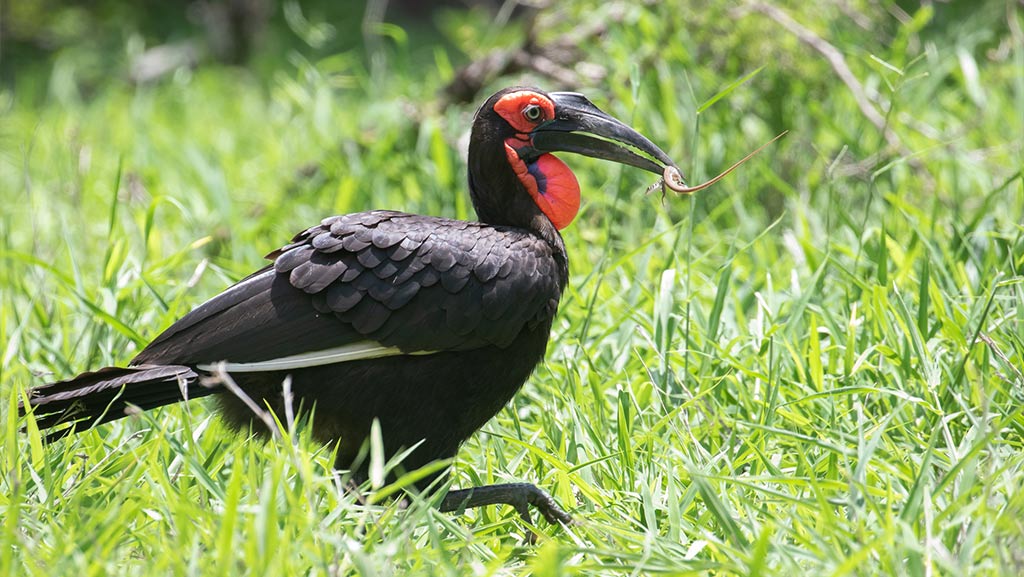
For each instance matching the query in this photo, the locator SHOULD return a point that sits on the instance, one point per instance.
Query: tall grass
(815, 366)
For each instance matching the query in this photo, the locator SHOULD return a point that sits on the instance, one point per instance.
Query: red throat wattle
(550, 183)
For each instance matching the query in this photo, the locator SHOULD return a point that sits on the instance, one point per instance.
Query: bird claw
(548, 507)
(521, 496)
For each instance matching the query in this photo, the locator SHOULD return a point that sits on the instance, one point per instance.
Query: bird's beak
(582, 128)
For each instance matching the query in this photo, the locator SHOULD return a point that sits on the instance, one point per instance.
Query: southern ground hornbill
(426, 324)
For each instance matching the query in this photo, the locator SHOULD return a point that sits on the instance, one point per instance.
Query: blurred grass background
(814, 366)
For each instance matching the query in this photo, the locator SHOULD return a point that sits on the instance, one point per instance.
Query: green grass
(814, 367)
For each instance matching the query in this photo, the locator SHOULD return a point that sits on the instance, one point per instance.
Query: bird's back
(413, 283)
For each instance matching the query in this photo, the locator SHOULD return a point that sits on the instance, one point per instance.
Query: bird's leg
(519, 495)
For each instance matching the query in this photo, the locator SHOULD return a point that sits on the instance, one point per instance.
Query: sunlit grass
(815, 366)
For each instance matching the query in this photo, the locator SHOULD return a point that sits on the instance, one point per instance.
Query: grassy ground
(812, 368)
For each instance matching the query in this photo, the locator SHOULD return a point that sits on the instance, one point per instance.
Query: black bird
(427, 324)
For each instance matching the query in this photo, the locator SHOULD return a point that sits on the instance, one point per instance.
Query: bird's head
(511, 171)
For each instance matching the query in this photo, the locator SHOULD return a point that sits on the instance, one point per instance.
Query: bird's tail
(109, 394)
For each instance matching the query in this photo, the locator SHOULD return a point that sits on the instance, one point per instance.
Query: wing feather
(437, 284)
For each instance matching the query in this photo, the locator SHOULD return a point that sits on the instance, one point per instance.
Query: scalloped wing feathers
(411, 282)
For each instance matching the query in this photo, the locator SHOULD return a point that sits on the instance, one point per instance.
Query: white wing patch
(343, 354)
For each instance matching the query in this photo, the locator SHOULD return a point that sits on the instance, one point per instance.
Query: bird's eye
(532, 112)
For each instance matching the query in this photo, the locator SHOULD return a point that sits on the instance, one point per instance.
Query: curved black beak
(583, 128)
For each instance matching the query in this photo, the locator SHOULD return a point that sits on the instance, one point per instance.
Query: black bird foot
(520, 495)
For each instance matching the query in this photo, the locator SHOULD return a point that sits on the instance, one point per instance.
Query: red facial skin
(548, 180)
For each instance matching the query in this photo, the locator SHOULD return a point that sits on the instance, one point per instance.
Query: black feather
(443, 259)
(453, 283)
(372, 256)
(355, 244)
(293, 258)
(343, 296)
(403, 295)
(326, 242)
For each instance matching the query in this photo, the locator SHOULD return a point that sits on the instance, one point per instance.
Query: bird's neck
(500, 199)
(498, 196)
